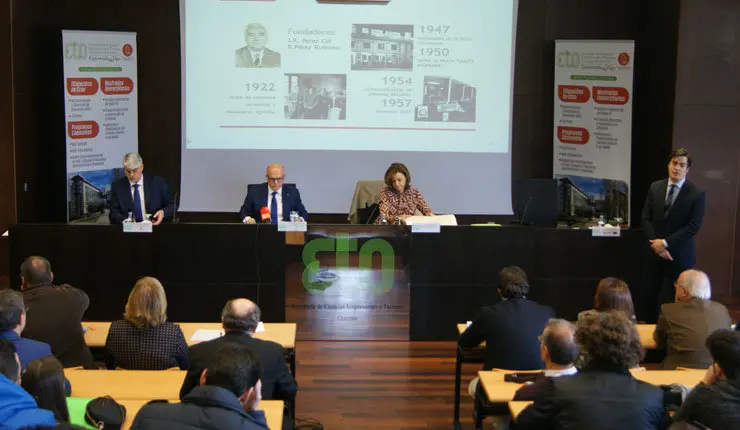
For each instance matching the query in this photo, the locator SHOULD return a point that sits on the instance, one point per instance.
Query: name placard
(137, 227)
(425, 228)
(606, 232)
(292, 226)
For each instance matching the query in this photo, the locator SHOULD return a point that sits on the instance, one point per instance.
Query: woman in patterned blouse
(398, 199)
(144, 340)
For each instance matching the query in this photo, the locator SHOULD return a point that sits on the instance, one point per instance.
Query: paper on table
(202, 335)
(437, 219)
(6, 233)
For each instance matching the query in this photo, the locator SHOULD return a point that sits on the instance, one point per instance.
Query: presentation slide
(319, 84)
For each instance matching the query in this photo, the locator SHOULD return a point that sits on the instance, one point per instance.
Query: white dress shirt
(141, 194)
(678, 188)
(554, 373)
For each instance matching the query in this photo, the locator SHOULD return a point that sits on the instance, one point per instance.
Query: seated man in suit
(226, 396)
(280, 199)
(510, 328)
(54, 313)
(240, 318)
(12, 323)
(139, 194)
(684, 326)
(559, 351)
(255, 54)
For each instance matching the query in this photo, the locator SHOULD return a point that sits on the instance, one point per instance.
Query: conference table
(477, 355)
(284, 334)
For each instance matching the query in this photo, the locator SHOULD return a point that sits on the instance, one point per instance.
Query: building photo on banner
(593, 130)
(100, 116)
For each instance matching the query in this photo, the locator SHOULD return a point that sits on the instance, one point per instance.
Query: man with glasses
(255, 54)
(139, 195)
(272, 200)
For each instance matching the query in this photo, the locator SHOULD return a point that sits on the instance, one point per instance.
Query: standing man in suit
(255, 54)
(139, 194)
(671, 217)
(240, 318)
(279, 198)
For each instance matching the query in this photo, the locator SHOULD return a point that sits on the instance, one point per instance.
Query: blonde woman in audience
(144, 340)
(44, 380)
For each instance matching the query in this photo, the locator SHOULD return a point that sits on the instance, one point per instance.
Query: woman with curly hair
(604, 394)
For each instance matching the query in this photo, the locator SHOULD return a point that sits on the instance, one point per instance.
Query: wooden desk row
(645, 331)
(135, 388)
(282, 333)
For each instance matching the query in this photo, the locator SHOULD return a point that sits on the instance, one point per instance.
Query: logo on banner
(623, 58)
(75, 51)
(127, 50)
(568, 59)
(315, 281)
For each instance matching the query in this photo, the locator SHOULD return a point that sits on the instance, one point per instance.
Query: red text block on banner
(114, 86)
(82, 129)
(611, 95)
(574, 93)
(82, 86)
(573, 135)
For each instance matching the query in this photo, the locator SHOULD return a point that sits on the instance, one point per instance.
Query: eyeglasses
(276, 179)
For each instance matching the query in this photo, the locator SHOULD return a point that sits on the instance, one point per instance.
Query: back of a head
(44, 380)
(241, 315)
(147, 304)
(233, 367)
(724, 345)
(696, 283)
(11, 309)
(9, 364)
(610, 339)
(36, 270)
(613, 294)
(559, 338)
(513, 282)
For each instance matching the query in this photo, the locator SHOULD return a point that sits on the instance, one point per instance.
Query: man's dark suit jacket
(27, 349)
(55, 317)
(157, 196)
(277, 382)
(243, 58)
(511, 329)
(257, 198)
(679, 226)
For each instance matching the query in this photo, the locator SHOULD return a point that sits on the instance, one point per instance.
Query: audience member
(612, 294)
(227, 396)
(240, 318)
(684, 326)
(603, 395)
(510, 328)
(12, 323)
(144, 340)
(559, 351)
(44, 380)
(18, 410)
(54, 313)
(715, 403)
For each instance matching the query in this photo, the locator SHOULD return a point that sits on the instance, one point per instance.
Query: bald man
(273, 196)
(683, 326)
(240, 318)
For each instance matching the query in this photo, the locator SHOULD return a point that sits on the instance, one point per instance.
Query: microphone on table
(265, 212)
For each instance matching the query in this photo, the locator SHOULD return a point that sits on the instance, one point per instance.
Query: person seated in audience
(683, 326)
(603, 395)
(612, 294)
(18, 410)
(510, 328)
(227, 396)
(240, 318)
(12, 323)
(559, 351)
(54, 313)
(715, 402)
(144, 340)
(44, 380)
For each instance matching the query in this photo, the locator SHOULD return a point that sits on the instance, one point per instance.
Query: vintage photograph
(382, 47)
(314, 96)
(446, 100)
(255, 54)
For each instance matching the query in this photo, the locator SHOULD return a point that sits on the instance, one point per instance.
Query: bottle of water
(602, 220)
(293, 216)
(383, 219)
(130, 217)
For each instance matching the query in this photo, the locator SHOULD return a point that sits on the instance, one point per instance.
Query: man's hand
(665, 255)
(249, 220)
(657, 246)
(710, 377)
(158, 217)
